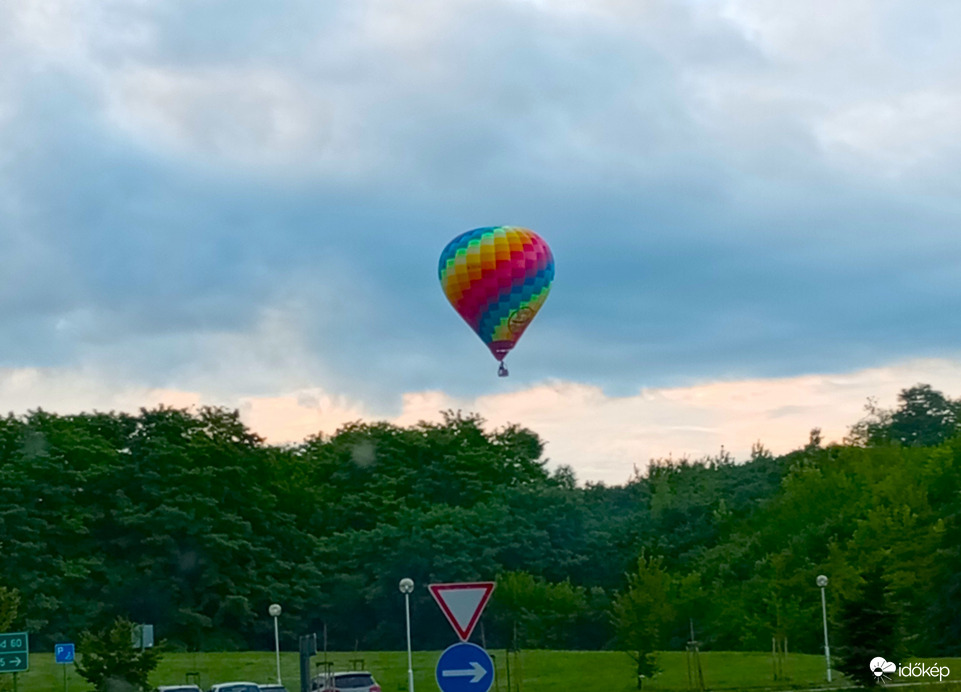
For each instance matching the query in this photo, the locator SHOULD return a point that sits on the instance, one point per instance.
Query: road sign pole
(63, 654)
(463, 667)
(308, 647)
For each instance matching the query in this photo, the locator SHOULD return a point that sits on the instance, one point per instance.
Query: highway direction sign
(465, 667)
(13, 652)
(142, 637)
(462, 604)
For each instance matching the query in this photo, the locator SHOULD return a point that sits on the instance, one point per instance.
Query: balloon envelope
(497, 278)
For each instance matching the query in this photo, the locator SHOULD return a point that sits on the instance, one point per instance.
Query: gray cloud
(746, 189)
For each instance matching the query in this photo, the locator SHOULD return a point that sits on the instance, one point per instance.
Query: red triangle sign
(462, 604)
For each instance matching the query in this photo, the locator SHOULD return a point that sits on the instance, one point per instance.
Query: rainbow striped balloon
(497, 278)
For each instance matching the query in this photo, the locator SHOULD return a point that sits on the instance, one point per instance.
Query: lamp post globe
(274, 611)
(822, 581)
(406, 585)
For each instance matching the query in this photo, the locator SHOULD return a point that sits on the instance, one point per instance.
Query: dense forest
(189, 521)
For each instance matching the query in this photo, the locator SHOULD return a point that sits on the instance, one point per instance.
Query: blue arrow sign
(465, 667)
(63, 653)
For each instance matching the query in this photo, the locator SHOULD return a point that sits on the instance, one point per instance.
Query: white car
(177, 688)
(235, 687)
(352, 681)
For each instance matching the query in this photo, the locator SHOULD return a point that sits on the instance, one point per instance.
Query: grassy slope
(540, 671)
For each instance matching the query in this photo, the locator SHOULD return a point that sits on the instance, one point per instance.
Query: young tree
(542, 614)
(868, 629)
(110, 661)
(642, 614)
(9, 607)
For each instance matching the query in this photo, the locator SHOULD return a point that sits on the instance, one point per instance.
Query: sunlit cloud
(294, 417)
(76, 391)
(603, 438)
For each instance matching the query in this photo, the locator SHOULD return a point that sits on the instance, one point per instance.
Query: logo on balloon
(519, 320)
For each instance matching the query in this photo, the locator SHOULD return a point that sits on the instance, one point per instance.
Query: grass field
(530, 671)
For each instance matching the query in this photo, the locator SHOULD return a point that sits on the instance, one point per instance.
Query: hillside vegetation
(189, 521)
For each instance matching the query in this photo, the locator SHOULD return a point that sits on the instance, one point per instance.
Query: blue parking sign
(63, 653)
(465, 667)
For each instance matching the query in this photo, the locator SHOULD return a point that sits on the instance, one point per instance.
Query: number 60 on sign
(14, 657)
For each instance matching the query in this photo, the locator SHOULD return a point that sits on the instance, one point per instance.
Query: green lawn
(535, 671)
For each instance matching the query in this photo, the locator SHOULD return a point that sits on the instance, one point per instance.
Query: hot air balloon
(497, 278)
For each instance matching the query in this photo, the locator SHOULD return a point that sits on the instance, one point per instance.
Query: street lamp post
(406, 586)
(822, 581)
(274, 611)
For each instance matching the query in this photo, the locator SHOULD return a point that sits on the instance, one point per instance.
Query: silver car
(235, 687)
(353, 681)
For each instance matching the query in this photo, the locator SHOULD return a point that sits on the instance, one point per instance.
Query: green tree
(924, 417)
(543, 615)
(111, 663)
(9, 608)
(642, 614)
(944, 617)
(868, 628)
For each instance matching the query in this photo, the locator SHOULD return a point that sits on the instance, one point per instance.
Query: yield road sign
(462, 604)
(14, 656)
(465, 667)
(63, 653)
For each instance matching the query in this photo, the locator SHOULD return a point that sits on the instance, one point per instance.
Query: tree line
(187, 520)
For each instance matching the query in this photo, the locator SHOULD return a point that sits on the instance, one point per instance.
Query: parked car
(273, 687)
(177, 688)
(235, 687)
(351, 681)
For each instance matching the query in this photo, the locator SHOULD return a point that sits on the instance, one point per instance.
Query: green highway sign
(13, 652)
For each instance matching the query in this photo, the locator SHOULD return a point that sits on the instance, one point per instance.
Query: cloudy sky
(753, 206)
